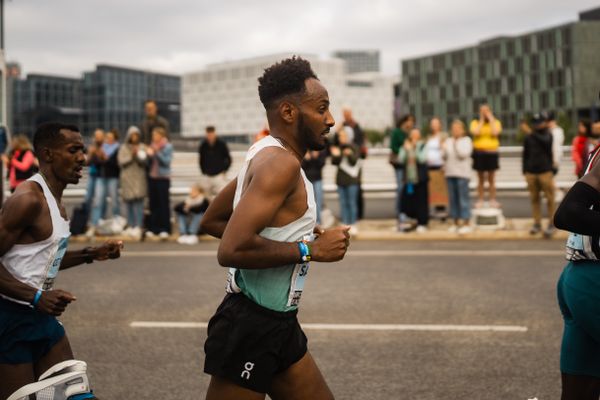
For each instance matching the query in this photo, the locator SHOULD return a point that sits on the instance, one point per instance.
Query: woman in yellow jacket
(485, 133)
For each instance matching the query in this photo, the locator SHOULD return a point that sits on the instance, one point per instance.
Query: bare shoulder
(23, 206)
(275, 166)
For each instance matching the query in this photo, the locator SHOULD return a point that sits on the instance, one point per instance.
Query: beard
(313, 141)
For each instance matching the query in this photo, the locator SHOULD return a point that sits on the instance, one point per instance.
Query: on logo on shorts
(247, 368)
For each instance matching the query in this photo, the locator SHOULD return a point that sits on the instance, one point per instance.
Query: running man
(34, 233)
(266, 221)
(578, 295)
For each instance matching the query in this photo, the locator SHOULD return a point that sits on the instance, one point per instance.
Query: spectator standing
(152, 120)
(3, 147)
(415, 199)
(189, 215)
(214, 160)
(486, 131)
(313, 164)
(346, 155)
(93, 159)
(438, 190)
(133, 159)
(107, 183)
(580, 146)
(159, 182)
(537, 168)
(356, 136)
(20, 162)
(457, 153)
(558, 140)
(404, 125)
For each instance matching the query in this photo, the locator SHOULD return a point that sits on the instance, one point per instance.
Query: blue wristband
(36, 298)
(304, 252)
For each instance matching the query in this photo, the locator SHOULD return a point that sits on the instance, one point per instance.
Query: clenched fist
(331, 245)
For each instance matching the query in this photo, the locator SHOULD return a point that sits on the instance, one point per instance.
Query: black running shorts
(248, 344)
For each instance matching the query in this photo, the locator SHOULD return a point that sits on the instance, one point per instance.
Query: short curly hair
(284, 78)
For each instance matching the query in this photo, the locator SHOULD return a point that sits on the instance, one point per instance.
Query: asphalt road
(453, 283)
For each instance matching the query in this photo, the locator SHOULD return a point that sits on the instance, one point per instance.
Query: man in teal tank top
(266, 221)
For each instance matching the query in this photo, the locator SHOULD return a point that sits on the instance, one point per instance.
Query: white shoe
(421, 229)
(192, 239)
(182, 239)
(91, 232)
(353, 231)
(136, 233)
(453, 229)
(150, 234)
(163, 235)
(463, 230)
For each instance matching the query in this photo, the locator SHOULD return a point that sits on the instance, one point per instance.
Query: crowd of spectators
(433, 170)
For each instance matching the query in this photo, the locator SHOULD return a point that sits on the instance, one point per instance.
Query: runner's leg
(301, 381)
(14, 376)
(222, 389)
(60, 352)
(579, 387)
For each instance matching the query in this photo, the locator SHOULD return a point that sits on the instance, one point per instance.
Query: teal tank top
(278, 288)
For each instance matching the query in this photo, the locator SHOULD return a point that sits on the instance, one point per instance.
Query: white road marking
(351, 327)
(371, 253)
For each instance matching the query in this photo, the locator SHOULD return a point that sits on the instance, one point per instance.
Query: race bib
(297, 284)
(298, 279)
(579, 247)
(54, 263)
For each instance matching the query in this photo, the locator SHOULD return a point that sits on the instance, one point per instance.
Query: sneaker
(91, 232)
(182, 239)
(421, 229)
(150, 234)
(192, 239)
(353, 230)
(549, 232)
(466, 229)
(535, 229)
(136, 233)
(453, 229)
(163, 235)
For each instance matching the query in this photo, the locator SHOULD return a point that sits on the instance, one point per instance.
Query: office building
(549, 69)
(226, 95)
(113, 97)
(359, 60)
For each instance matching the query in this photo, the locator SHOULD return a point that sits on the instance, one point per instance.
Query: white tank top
(37, 264)
(276, 288)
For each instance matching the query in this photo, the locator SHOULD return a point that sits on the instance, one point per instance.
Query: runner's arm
(110, 249)
(217, 215)
(241, 245)
(574, 213)
(18, 213)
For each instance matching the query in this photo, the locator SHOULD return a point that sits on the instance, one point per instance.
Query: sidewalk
(385, 229)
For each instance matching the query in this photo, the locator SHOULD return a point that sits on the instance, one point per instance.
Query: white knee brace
(60, 382)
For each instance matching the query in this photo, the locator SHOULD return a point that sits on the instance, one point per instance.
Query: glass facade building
(113, 97)
(552, 69)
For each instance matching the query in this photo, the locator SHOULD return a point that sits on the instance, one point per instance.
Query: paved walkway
(385, 229)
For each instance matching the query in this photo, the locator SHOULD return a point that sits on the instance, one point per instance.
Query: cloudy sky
(66, 37)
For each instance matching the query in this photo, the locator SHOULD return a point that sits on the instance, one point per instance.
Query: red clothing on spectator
(579, 154)
(24, 165)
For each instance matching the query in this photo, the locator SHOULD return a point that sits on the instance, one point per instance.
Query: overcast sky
(67, 37)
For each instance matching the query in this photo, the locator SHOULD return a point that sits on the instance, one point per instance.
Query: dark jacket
(313, 168)
(537, 152)
(342, 177)
(148, 125)
(110, 168)
(214, 159)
